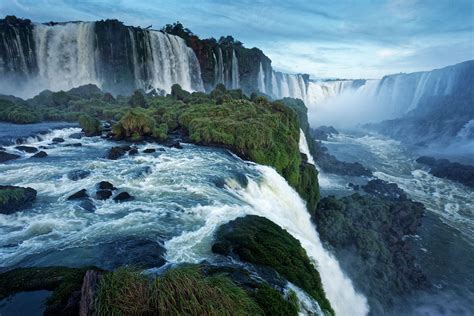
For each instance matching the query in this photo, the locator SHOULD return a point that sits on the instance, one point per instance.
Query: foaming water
(393, 162)
(175, 208)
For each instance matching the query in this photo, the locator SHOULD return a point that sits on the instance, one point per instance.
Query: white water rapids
(172, 203)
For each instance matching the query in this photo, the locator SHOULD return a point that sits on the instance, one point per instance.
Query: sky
(326, 39)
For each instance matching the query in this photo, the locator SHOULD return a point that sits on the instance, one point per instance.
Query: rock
(123, 196)
(40, 154)
(13, 198)
(133, 152)
(176, 145)
(103, 194)
(443, 168)
(76, 136)
(6, 156)
(73, 145)
(75, 175)
(323, 132)
(87, 205)
(58, 140)
(104, 185)
(88, 293)
(2, 148)
(385, 190)
(117, 152)
(353, 186)
(82, 194)
(27, 149)
(149, 150)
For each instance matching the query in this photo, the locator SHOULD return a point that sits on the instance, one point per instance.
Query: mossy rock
(90, 125)
(14, 198)
(257, 240)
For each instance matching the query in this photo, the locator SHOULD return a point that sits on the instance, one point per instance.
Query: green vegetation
(273, 303)
(368, 236)
(90, 125)
(181, 291)
(62, 281)
(258, 130)
(15, 198)
(259, 241)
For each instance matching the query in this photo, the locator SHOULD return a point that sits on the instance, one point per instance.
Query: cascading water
(235, 83)
(66, 55)
(173, 206)
(261, 79)
(288, 85)
(303, 145)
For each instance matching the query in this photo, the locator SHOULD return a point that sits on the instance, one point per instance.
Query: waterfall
(235, 84)
(288, 85)
(219, 67)
(66, 55)
(274, 199)
(261, 79)
(304, 149)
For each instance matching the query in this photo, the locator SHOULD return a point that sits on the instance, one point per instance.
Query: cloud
(324, 38)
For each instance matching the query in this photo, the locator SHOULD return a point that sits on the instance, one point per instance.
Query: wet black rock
(123, 196)
(176, 145)
(133, 152)
(2, 148)
(40, 154)
(75, 175)
(73, 145)
(385, 190)
(443, 168)
(353, 186)
(82, 194)
(58, 140)
(117, 152)
(27, 149)
(103, 194)
(87, 205)
(13, 198)
(323, 132)
(149, 150)
(76, 136)
(7, 156)
(104, 185)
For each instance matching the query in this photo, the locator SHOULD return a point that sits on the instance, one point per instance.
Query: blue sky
(344, 39)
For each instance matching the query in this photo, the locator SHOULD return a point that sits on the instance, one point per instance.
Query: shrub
(135, 124)
(137, 100)
(90, 125)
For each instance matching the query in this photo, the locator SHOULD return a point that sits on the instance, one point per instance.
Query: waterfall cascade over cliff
(115, 57)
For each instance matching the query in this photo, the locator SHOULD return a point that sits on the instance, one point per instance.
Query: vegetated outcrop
(443, 168)
(323, 132)
(369, 236)
(13, 199)
(259, 241)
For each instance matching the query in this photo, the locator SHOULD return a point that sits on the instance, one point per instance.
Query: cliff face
(120, 59)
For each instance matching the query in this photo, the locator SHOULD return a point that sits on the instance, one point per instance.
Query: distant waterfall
(304, 149)
(66, 55)
(235, 84)
(261, 79)
(288, 85)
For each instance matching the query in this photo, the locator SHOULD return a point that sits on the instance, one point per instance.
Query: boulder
(40, 154)
(133, 152)
(27, 149)
(7, 156)
(76, 136)
(117, 152)
(87, 205)
(82, 194)
(123, 196)
(88, 293)
(103, 194)
(104, 185)
(13, 198)
(385, 190)
(58, 140)
(73, 145)
(75, 175)
(149, 150)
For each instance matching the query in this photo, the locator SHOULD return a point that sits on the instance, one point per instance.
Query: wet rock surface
(443, 168)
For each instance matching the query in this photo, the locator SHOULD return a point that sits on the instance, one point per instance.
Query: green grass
(180, 291)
